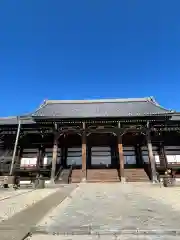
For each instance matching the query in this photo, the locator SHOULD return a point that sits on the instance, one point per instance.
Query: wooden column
(17, 161)
(84, 150)
(121, 154)
(40, 158)
(121, 158)
(151, 157)
(139, 161)
(15, 148)
(19, 153)
(54, 159)
(163, 159)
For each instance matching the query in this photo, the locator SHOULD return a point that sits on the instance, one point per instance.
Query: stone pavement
(20, 200)
(103, 210)
(101, 237)
(10, 192)
(16, 227)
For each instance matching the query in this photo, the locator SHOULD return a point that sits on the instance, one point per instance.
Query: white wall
(172, 154)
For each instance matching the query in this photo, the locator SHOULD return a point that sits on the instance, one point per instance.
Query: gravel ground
(106, 209)
(20, 200)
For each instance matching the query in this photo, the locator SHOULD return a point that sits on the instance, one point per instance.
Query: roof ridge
(27, 115)
(154, 102)
(110, 100)
(43, 104)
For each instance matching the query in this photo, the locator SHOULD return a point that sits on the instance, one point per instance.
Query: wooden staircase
(76, 175)
(110, 175)
(136, 175)
(102, 175)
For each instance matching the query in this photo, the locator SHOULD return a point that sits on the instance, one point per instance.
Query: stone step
(102, 175)
(76, 176)
(136, 175)
(100, 180)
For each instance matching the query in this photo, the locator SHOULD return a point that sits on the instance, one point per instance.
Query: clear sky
(85, 49)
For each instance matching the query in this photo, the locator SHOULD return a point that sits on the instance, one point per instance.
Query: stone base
(123, 180)
(155, 180)
(83, 180)
(7, 179)
(52, 182)
(34, 185)
(41, 184)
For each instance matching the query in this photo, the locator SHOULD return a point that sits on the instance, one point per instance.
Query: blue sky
(85, 49)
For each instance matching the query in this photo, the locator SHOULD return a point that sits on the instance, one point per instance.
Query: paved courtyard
(108, 209)
(13, 202)
(22, 209)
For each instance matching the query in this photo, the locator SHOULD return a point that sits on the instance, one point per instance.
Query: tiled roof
(100, 108)
(175, 117)
(14, 120)
(8, 120)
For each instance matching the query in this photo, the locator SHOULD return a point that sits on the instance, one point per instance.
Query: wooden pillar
(15, 148)
(64, 152)
(139, 161)
(40, 158)
(19, 153)
(162, 156)
(151, 157)
(84, 150)
(121, 158)
(121, 155)
(54, 158)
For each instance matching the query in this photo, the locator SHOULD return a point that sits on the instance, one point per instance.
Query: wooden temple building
(92, 140)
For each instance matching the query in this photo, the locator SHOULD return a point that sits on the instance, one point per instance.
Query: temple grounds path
(13, 202)
(25, 208)
(91, 211)
(98, 211)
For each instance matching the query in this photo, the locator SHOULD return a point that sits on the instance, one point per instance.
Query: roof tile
(100, 108)
(14, 121)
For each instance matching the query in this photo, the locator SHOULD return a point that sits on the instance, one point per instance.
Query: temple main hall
(108, 140)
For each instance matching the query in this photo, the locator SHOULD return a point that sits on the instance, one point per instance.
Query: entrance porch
(102, 158)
